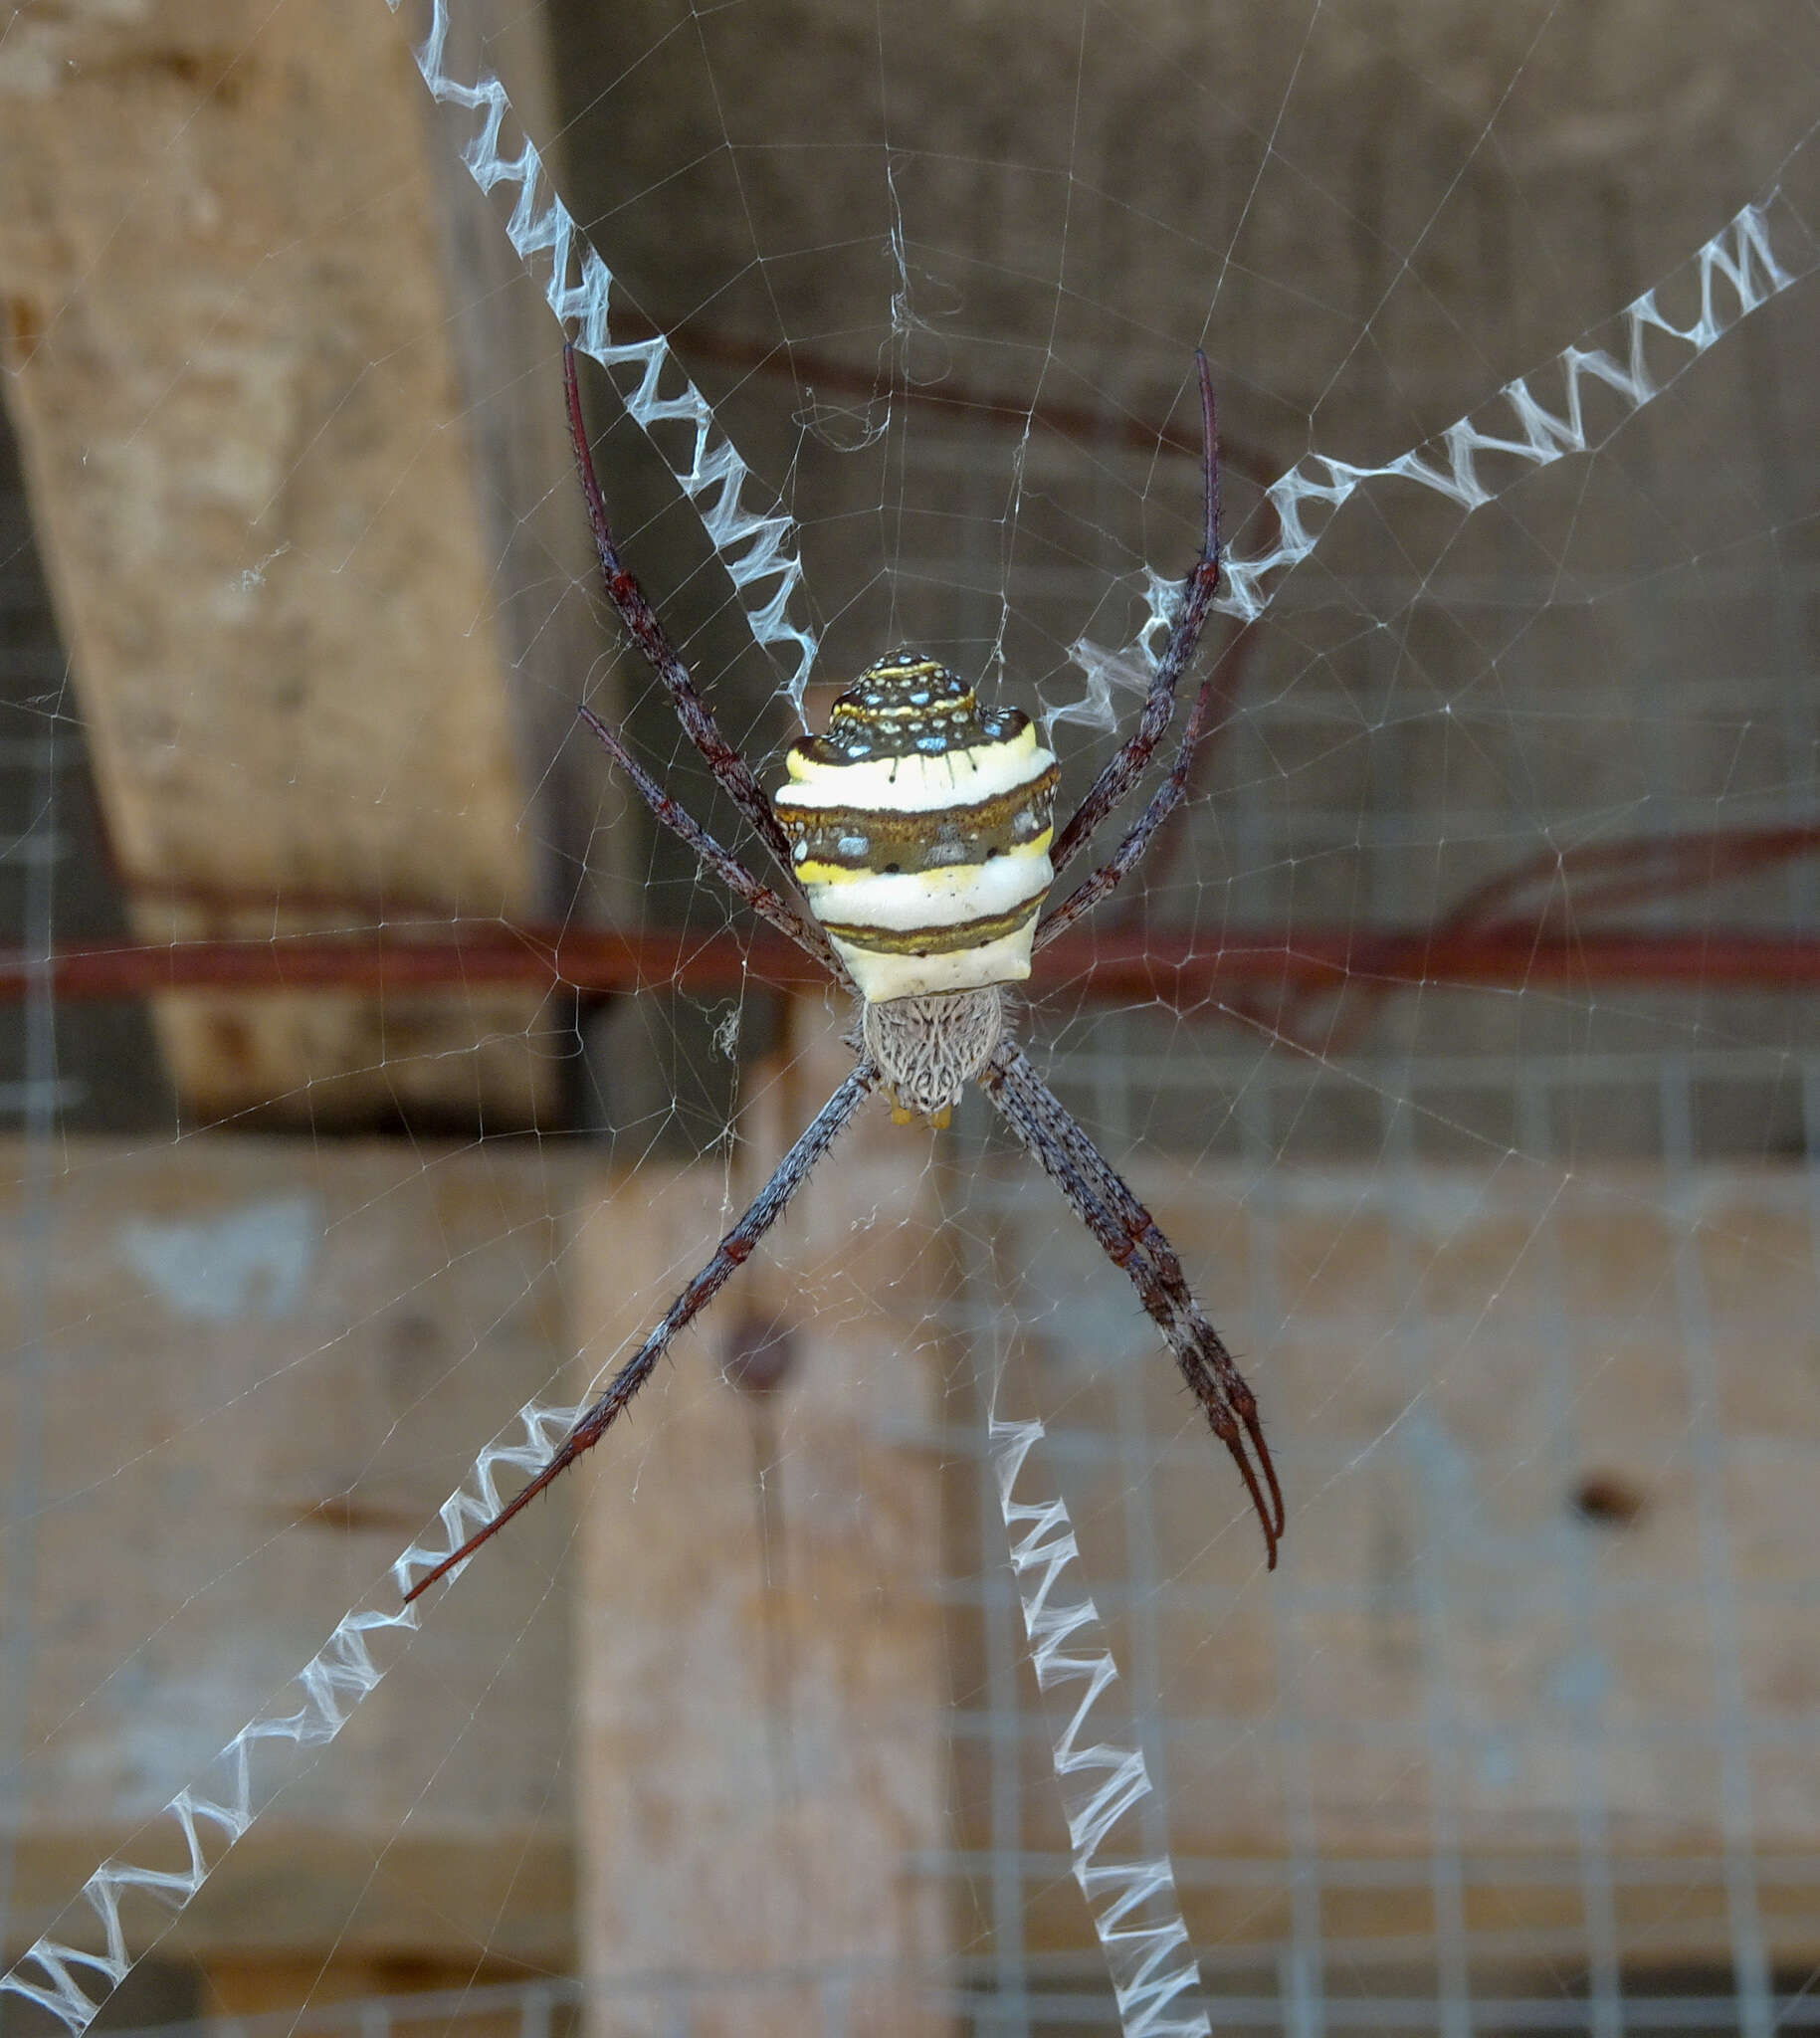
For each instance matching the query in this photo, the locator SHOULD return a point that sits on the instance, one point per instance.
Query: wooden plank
(264, 1366)
(761, 1678)
(244, 1988)
(255, 483)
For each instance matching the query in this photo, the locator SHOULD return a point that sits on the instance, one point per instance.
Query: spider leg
(732, 1251)
(709, 853)
(1125, 766)
(1132, 1238)
(1164, 803)
(642, 625)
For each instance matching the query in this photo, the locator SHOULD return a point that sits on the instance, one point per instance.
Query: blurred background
(372, 1066)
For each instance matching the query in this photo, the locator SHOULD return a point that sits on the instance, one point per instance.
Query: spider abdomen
(919, 827)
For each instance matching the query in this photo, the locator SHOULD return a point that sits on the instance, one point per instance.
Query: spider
(918, 832)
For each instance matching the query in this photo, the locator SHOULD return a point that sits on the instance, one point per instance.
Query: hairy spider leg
(1132, 1240)
(1124, 767)
(732, 1251)
(1164, 803)
(640, 618)
(709, 853)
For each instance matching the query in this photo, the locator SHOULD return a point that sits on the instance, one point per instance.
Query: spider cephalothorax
(929, 1049)
(920, 828)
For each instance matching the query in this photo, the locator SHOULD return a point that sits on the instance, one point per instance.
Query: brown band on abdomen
(940, 941)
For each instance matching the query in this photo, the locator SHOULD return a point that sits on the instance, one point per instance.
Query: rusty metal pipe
(1181, 971)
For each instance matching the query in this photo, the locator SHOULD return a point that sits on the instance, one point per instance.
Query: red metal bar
(1185, 973)
(1181, 971)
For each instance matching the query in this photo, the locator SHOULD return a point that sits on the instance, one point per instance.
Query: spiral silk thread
(1133, 1902)
(1534, 421)
(134, 1901)
(754, 546)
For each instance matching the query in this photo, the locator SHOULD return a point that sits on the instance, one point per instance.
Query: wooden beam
(253, 462)
(759, 1657)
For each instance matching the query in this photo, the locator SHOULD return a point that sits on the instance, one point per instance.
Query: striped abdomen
(919, 829)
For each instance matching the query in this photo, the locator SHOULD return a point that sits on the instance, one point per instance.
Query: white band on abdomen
(906, 899)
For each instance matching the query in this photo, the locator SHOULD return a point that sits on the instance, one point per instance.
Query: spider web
(1467, 984)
